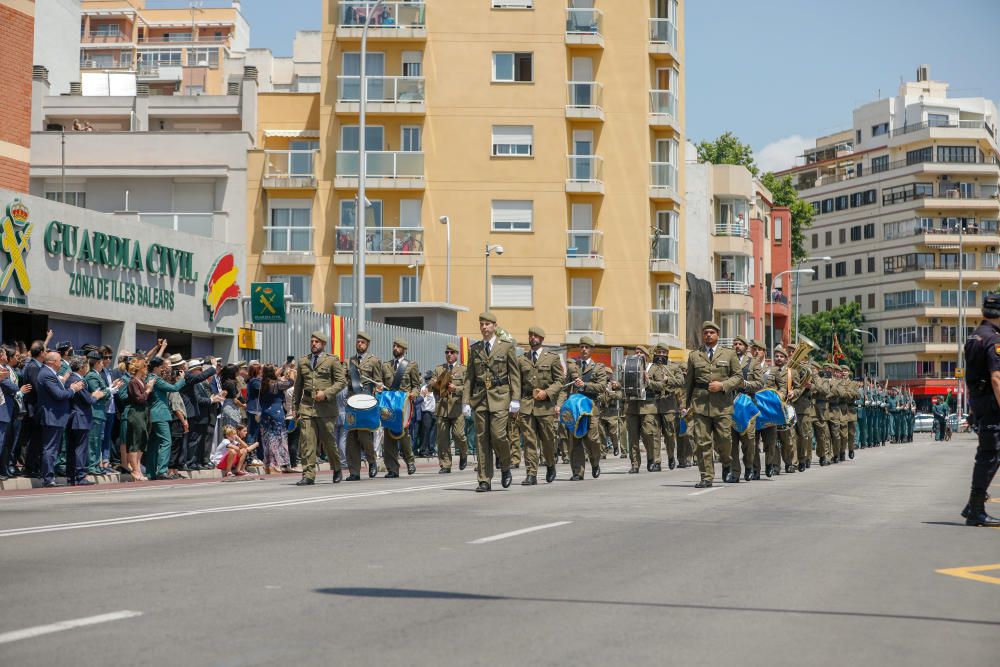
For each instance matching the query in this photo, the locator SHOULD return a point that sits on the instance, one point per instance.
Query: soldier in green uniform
(492, 392)
(447, 383)
(668, 374)
(759, 353)
(364, 375)
(805, 413)
(588, 377)
(541, 381)
(853, 394)
(745, 444)
(319, 379)
(776, 378)
(892, 408)
(684, 448)
(400, 374)
(713, 375)
(610, 403)
(863, 405)
(641, 421)
(821, 420)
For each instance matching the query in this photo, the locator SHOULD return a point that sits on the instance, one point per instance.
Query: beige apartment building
(899, 197)
(516, 122)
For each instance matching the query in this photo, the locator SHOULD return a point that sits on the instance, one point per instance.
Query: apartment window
(408, 289)
(512, 67)
(920, 155)
(410, 140)
(290, 229)
(829, 305)
(511, 215)
(512, 4)
(871, 301)
(950, 298)
(857, 137)
(871, 265)
(778, 231)
(880, 164)
(843, 300)
(908, 299)
(856, 199)
(203, 58)
(159, 58)
(857, 266)
(510, 291)
(177, 36)
(829, 238)
(72, 198)
(829, 271)
(841, 269)
(842, 235)
(880, 129)
(816, 206)
(297, 287)
(815, 307)
(856, 233)
(512, 140)
(373, 289)
(348, 213)
(937, 119)
(857, 299)
(413, 63)
(966, 154)
(815, 241)
(840, 203)
(903, 193)
(828, 205)
(869, 230)
(815, 273)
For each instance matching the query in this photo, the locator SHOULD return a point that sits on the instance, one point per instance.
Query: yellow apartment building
(550, 129)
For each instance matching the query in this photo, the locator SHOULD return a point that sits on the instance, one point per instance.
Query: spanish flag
(221, 285)
(463, 345)
(337, 336)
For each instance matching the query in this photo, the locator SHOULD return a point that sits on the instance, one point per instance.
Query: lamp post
(361, 209)
(875, 341)
(797, 265)
(416, 278)
(490, 249)
(789, 271)
(446, 221)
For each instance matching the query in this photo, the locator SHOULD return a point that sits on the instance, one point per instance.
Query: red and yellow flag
(337, 342)
(221, 285)
(463, 345)
(838, 353)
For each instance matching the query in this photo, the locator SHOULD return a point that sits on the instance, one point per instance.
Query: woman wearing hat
(158, 452)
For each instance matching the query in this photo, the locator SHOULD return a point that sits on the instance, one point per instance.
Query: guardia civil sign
(267, 302)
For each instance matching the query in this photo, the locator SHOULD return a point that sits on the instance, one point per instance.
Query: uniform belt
(497, 383)
(701, 385)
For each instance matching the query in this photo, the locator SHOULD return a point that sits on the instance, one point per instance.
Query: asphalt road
(836, 566)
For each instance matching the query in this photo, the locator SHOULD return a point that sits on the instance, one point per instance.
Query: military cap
(64, 345)
(844, 367)
(661, 346)
(587, 340)
(709, 324)
(320, 336)
(487, 316)
(781, 350)
(756, 343)
(536, 331)
(363, 335)
(644, 349)
(452, 347)
(94, 354)
(742, 340)
(991, 300)
(402, 343)
(828, 365)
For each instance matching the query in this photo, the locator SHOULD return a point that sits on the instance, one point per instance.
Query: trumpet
(804, 348)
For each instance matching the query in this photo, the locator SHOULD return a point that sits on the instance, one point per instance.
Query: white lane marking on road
(138, 489)
(698, 493)
(515, 533)
(52, 528)
(39, 630)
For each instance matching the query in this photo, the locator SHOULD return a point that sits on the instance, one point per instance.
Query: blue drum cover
(772, 409)
(395, 412)
(745, 414)
(575, 414)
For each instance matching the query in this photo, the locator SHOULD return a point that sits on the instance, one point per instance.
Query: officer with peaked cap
(320, 378)
(400, 374)
(364, 375)
(542, 378)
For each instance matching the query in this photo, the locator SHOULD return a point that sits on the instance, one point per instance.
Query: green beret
(453, 347)
(364, 336)
(742, 340)
(709, 324)
(536, 331)
(661, 346)
(402, 343)
(587, 340)
(320, 336)
(487, 316)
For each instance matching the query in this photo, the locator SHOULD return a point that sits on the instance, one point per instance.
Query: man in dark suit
(8, 412)
(80, 422)
(53, 412)
(197, 406)
(30, 439)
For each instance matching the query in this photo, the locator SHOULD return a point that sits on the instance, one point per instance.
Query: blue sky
(778, 73)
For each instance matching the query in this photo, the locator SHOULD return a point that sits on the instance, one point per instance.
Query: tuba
(804, 348)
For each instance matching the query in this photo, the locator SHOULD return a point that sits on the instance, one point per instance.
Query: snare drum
(362, 413)
(395, 412)
(634, 378)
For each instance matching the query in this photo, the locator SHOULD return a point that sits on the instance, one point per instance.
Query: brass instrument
(442, 384)
(804, 348)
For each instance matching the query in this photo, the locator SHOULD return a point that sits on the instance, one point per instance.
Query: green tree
(842, 320)
(783, 193)
(728, 149)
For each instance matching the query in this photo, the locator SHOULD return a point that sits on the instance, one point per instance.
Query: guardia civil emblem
(15, 237)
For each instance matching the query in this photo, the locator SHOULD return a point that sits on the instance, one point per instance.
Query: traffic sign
(267, 302)
(249, 339)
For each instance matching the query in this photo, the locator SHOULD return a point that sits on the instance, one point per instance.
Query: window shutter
(513, 214)
(512, 134)
(511, 291)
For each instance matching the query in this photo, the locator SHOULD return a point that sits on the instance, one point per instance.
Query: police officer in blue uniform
(982, 357)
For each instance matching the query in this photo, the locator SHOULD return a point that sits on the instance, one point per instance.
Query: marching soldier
(753, 380)
(713, 374)
(610, 403)
(854, 393)
(821, 422)
(364, 375)
(400, 374)
(776, 377)
(759, 353)
(319, 379)
(668, 374)
(541, 381)
(684, 448)
(492, 391)
(447, 383)
(587, 377)
(805, 412)
(844, 396)
(641, 421)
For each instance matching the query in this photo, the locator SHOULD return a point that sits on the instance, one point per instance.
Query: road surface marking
(515, 533)
(971, 573)
(39, 630)
(698, 493)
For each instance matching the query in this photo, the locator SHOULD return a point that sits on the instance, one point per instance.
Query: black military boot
(748, 474)
(726, 473)
(756, 475)
(802, 466)
(977, 515)
(529, 480)
(550, 474)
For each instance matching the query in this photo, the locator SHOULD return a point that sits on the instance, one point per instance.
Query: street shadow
(960, 524)
(418, 594)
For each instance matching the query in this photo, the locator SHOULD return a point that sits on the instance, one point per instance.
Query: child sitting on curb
(230, 455)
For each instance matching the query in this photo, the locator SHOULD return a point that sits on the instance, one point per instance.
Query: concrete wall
(57, 41)
(698, 221)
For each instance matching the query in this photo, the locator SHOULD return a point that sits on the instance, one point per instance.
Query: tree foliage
(842, 320)
(727, 149)
(783, 193)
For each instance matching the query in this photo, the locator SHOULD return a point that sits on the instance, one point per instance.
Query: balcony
(88, 63)
(387, 170)
(936, 125)
(583, 249)
(586, 174)
(585, 100)
(731, 287)
(288, 246)
(183, 38)
(963, 197)
(777, 304)
(198, 224)
(662, 109)
(392, 20)
(290, 170)
(663, 37)
(732, 238)
(148, 72)
(583, 27)
(663, 181)
(664, 329)
(663, 254)
(931, 165)
(384, 245)
(96, 38)
(385, 95)
(585, 321)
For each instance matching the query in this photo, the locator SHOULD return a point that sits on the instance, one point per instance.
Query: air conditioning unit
(935, 320)
(992, 248)
(954, 194)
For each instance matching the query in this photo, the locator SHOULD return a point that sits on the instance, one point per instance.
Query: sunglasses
(450, 352)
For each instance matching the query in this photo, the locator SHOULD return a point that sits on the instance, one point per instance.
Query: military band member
(447, 384)
(839, 412)
(759, 353)
(542, 378)
(853, 393)
(684, 449)
(668, 374)
(319, 379)
(590, 378)
(612, 427)
(364, 375)
(776, 377)
(400, 374)
(805, 412)
(713, 375)
(641, 421)
(823, 426)
(492, 391)
(753, 381)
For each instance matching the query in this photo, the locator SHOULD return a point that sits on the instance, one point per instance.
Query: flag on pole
(463, 345)
(838, 353)
(337, 343)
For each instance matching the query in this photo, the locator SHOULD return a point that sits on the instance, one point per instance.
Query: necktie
(395, 364)
(488, 346)
(534, 357)
(315, 361)
(451, 367)
(711, 352)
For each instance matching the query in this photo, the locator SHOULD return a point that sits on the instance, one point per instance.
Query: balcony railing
(662, 248)
(960, 125)
(916, 227)
(199, 224)
(585, 169)
(289, 239)
(382, 89)
(584, 21)
(876, 168)
(777, 298)
(662, 103)
(584, 243)
(662, 175)
(182, 39)
(585, 319)
(106, 37)
(105, 64)
(382, 164)
(731, 287)
(967, 191)
(383, 240)
(662, 31)
(289, 164)
(351, 14)
(585, 94)
(663, 322)
(732, 229)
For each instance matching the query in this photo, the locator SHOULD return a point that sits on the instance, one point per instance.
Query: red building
(17, 31)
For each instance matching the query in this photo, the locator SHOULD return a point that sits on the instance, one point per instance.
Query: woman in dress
(232, 405)
(273, 431)
(137, 431)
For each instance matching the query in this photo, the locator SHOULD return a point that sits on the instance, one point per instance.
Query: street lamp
(444, 220)
(875, 341)
(789, 271)
(798, 264)
(416, 278)
(498, 249)
(361, 210)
